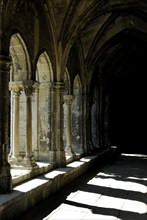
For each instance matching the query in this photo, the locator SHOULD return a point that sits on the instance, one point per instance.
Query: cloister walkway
(116, 191)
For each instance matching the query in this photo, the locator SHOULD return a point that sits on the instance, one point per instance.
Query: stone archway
(42, 129)
(22, 89)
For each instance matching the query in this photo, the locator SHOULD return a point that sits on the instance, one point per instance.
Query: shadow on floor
(116, 191)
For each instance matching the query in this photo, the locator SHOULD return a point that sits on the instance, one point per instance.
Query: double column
(68, 99)
(28, 87)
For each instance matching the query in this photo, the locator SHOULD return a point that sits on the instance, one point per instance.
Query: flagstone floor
(117, 191)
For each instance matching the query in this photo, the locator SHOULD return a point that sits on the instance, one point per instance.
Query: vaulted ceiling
(100, 33)
(88, 35)
(95, 24)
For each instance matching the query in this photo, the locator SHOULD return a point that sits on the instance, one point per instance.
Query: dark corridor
(128, 105)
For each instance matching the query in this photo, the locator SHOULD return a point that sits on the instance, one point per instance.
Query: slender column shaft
(28, 125)
(56, 90)
(106, 121)
(68, 125)
(35, 125)
(29, 88)
(15, 143)
(86, 121)
(15, 87)
(68, 100)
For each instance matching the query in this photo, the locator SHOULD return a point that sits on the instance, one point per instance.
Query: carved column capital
(57, 87)
(30, 86)
(68, 99)
(16, 87)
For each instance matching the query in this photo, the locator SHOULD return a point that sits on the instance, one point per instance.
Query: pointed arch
(21, 67)
(20, 71)
(44, 70)
(42, 116)
(77, 86)
(67, 83)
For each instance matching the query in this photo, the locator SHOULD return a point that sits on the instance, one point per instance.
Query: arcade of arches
(72, 81)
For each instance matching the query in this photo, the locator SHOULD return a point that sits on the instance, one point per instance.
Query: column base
(60, 158)
(29, 163)
(88, 149)
(14, 160)
(69, 151)
(5, 179)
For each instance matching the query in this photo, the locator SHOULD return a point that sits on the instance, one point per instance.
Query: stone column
(106, 121)
(35, 125)
(68, 100)
(29, 88)
(101, 117)
(15, 87)
(86, 124)
(5, 176)
(57, 151)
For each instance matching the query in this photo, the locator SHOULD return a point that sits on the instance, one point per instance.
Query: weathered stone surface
(30, 193)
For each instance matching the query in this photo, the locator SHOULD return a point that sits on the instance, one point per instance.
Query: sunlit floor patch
(91, 216)
(135, 207)
(136, 178)
(66, 211)
(82, 197)
(118, 184)
(134, 155)
(118, 192)
(122, 204)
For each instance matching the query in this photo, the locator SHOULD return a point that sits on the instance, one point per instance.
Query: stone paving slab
(28, 194)
(124, 197)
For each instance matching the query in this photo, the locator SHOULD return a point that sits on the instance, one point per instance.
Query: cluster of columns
(56, 151)
(28, 87)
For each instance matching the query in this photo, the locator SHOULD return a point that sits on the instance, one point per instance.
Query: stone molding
(57, 87)
(30, 86)
(16, 87)
(68, 99)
